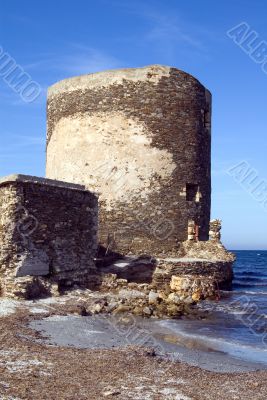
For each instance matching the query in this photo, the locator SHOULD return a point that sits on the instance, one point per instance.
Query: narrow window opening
(191, 192)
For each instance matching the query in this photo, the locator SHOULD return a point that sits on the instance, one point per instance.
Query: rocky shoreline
(138, 288)
(163, 287)
(145, 286)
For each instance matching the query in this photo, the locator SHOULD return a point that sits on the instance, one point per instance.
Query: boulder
(153, 297)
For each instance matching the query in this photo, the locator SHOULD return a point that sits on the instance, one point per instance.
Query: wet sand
(107, 332)
(31, 367)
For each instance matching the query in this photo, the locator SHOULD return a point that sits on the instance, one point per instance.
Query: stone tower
(141, 139)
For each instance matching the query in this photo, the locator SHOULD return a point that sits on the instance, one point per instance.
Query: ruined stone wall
(220, 272)
(141, 139)
(47, 229)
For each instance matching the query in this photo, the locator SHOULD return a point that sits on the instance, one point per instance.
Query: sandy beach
(57, 360)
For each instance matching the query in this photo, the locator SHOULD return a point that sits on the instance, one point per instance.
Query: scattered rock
(122, 282)
(132, 285)
(196, 296)
(153, 297)
(147, 311)
(173, 310)
(163, 295)
(111, 393)
(111, 306)
(173, 298)
(84, 312)
(137, 310)
(97, 308)
(121, 308)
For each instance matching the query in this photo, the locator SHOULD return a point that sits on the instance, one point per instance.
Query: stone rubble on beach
(146, 300)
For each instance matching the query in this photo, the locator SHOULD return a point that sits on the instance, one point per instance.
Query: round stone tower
(141, 139)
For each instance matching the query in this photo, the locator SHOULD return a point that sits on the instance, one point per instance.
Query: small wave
(224, 308)
(251, 273)
(233, 347)
(259, 292)
(256, 274)
(237, 284)
(218, 340)
(252, 279)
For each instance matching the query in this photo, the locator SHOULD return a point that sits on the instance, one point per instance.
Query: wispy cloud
(85, 60)
(27, 140)
(12, 142)
(170, 30)
(167, 32)
(76, 58)
(7, 97)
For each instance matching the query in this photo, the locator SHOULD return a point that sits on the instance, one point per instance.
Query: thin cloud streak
(167, 31)
(78, 59)
(16, 142)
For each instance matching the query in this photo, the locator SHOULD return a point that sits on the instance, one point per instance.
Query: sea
(229, 335)
(236, 324)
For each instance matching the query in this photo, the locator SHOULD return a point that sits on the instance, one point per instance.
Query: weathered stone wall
(47, 229)
(220, 272)
(141, 139)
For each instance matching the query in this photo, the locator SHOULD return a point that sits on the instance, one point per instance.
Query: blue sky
(53, 40)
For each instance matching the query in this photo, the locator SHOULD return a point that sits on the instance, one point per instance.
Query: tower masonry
(141, 139)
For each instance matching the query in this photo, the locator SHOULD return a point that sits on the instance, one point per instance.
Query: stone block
(47, 229)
